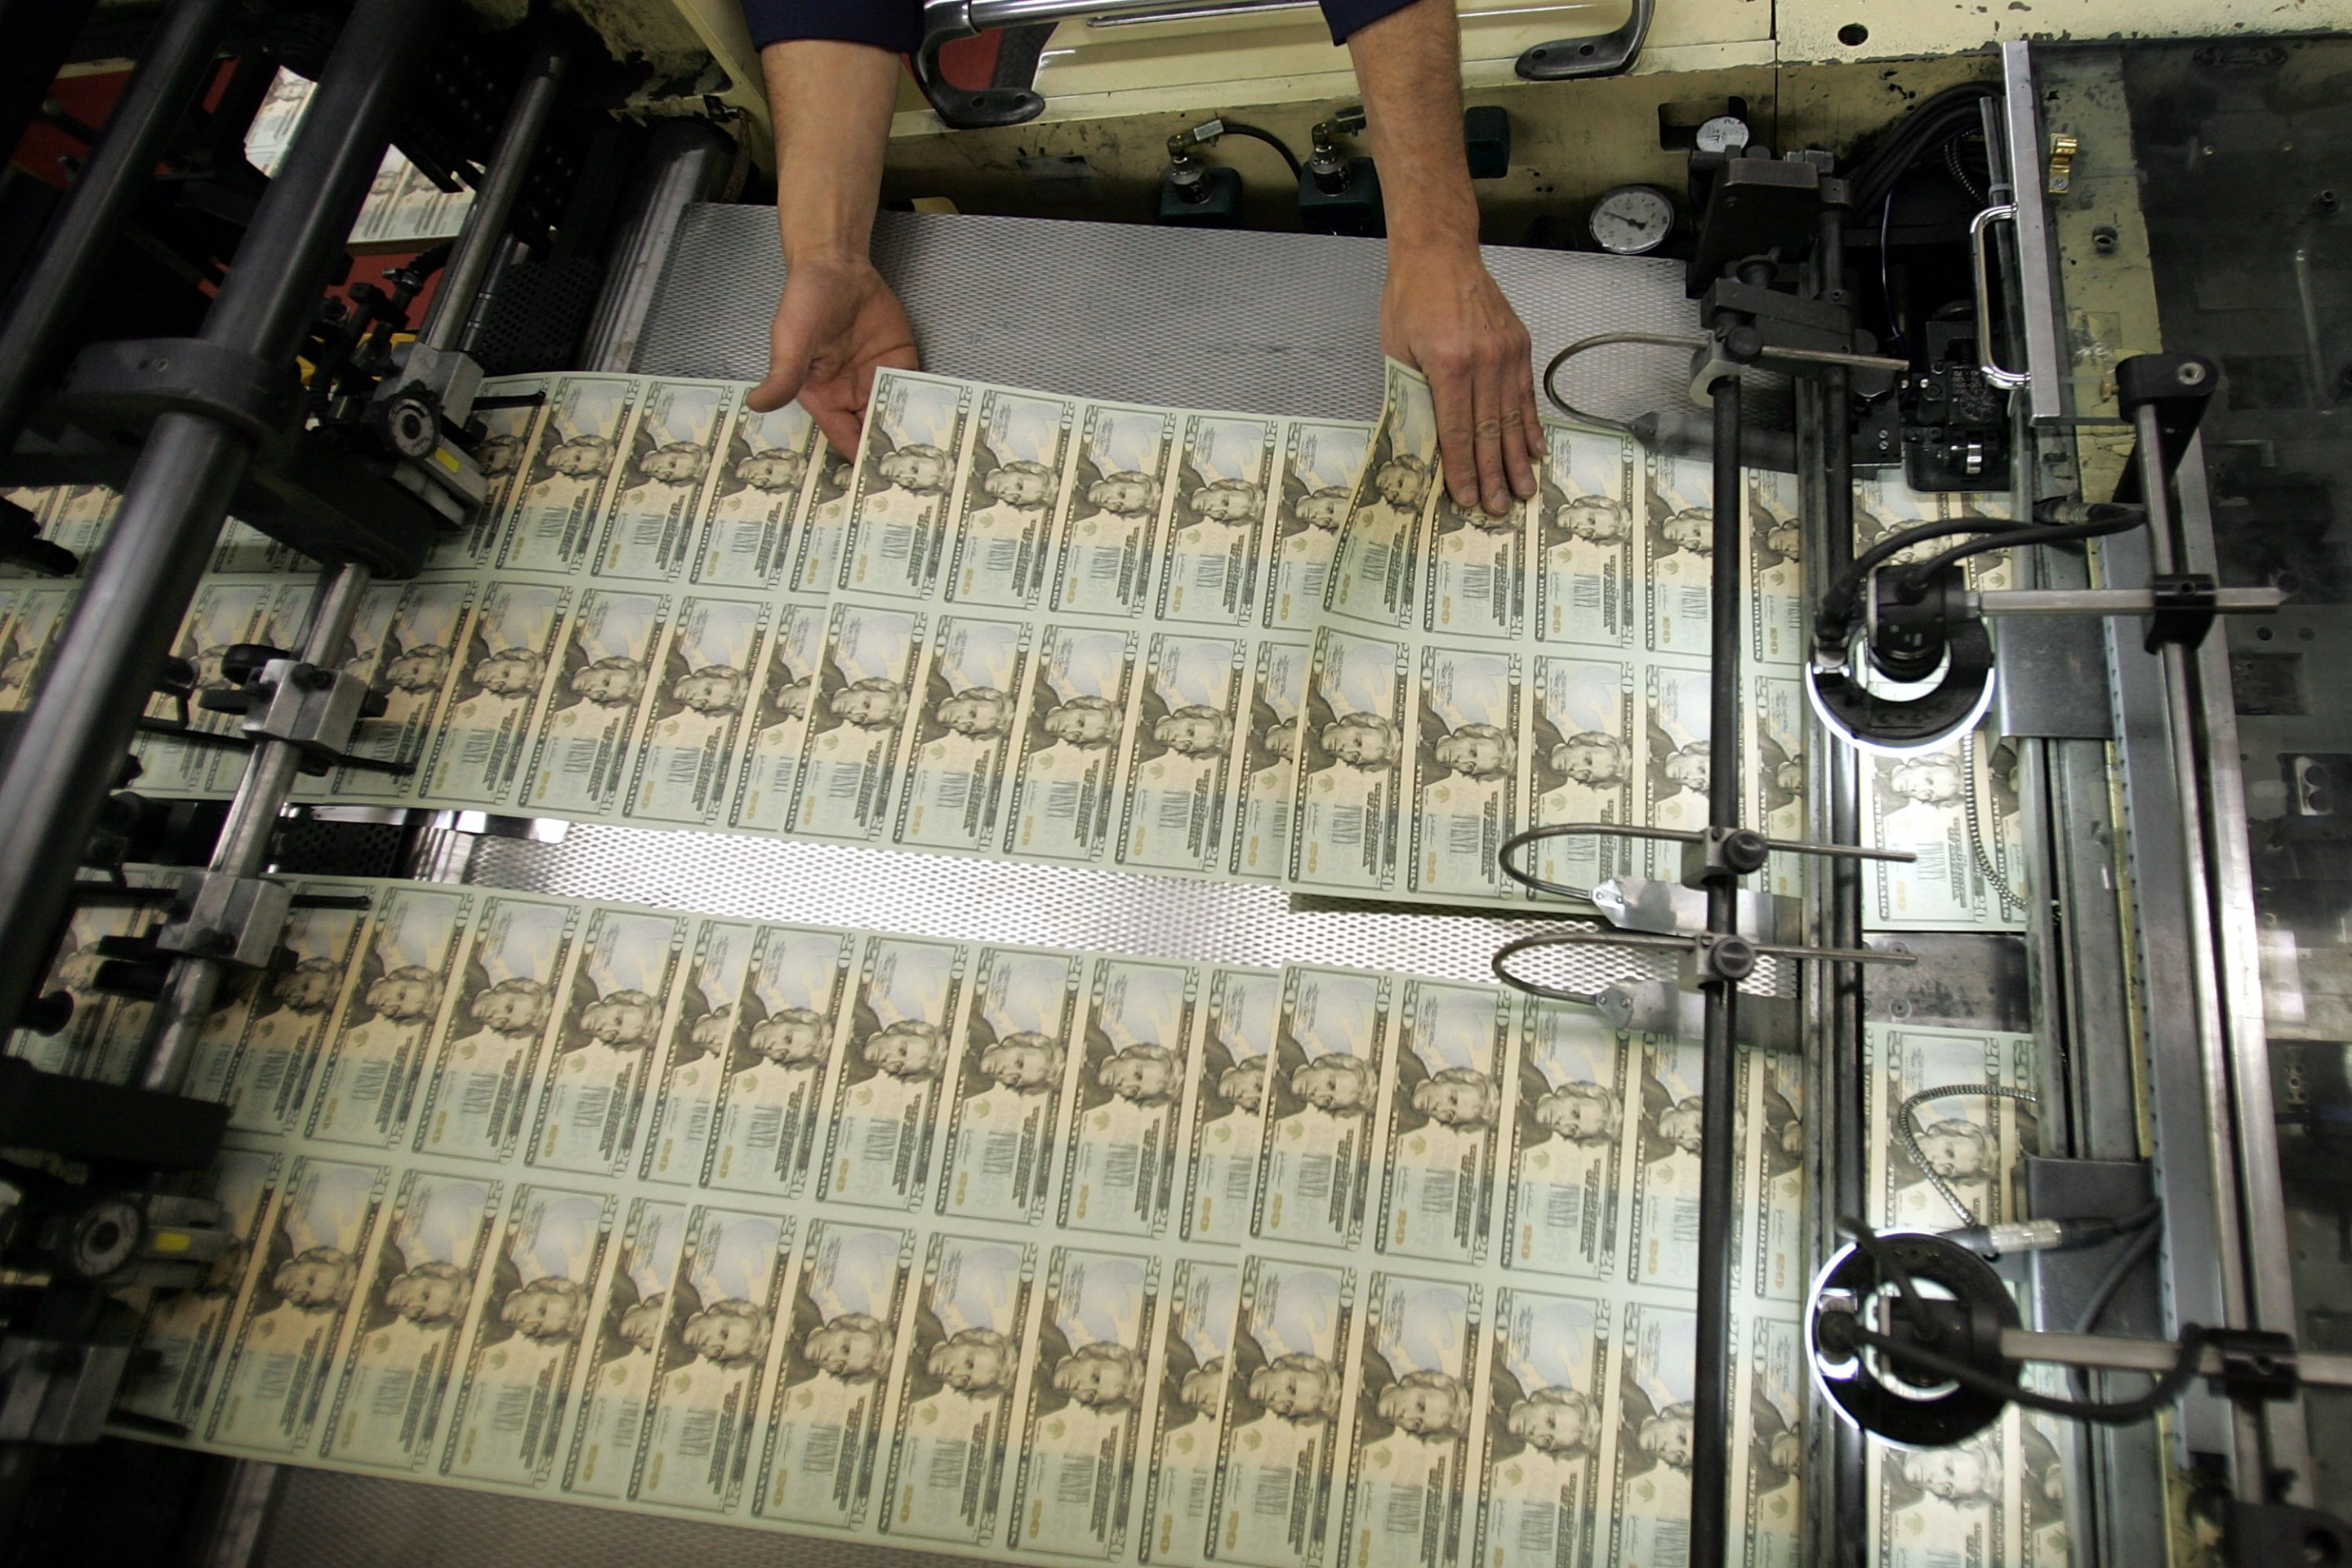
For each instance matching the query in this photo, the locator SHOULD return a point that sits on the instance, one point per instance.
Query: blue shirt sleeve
(893, 25)
(1344, 17)
(897, 25)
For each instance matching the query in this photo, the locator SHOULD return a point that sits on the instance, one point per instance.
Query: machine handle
(944, 21)
(1601, 54)
(1598, 54)
(2007, 380)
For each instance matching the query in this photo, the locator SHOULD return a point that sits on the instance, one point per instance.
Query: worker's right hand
(836, 325)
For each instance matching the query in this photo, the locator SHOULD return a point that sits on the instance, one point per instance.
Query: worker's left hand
(837, 323)
(1443, 314)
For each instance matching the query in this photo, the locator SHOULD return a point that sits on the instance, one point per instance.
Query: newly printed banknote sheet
(1013, 1252)
(1036, 627)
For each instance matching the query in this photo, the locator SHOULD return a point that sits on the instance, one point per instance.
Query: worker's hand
(1443, 314)
(836, 325)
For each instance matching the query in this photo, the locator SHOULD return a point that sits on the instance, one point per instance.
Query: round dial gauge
(1633, 220)
(1724, 133)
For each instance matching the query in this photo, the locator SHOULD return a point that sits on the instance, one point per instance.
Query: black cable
(2117, 519)
(1961, 175)
(2111, 1281)
(1235, 128)
(1937, 120)
(1841, 599)
(2122, 1413)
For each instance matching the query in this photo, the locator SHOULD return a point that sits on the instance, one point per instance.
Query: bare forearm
(831, 104)
(1440, 312)
(1408, 65)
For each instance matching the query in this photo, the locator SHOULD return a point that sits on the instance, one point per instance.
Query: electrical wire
(1603, 340)
(1841, 601)
(2111, 1283)
(1935, 121)
(1992, 875)
(1885, 278)
(2104, 1293)
(2103, 518)
(1910, 1141)
(1960, 175)
(1235, 128)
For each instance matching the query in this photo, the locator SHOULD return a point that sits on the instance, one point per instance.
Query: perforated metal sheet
(1050, 906)
(1264, 323)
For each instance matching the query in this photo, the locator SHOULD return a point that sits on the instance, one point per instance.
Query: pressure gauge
(1725, 133)
(1633, 220)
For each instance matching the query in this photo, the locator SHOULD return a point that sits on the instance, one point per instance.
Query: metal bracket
(2256, 1366)
(311, 708)
(1642, 903)
(1602, 53)
(1662, 1008)
(1706, 958)
(58, 1390)
(2178, 387)
(1720, 854)
(230, 919)
(1706, 838)
(2185, 605)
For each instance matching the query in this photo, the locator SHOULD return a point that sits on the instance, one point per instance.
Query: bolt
(2191, 372)
(1733, 957)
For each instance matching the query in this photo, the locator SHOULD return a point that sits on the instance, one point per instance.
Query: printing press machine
(2112, 254)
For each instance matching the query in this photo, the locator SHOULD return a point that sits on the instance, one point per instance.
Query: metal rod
(2314, 349)
(243, 849)
(1197, 13)
(151, 108)
(70, 744)
(1718, 1159)
(1842, 1128)
(2118, 1353)
(2203, 977)
(493, 205)
(2269, 1253)
(2111, 600)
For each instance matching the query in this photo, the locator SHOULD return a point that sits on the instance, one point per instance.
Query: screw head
(2191, 372)
(1733, 957)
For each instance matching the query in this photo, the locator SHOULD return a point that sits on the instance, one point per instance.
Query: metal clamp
(311, 708)
(1602, 53)
(1706, 958)
(1980, 274)
(1642, 903)
(230, 919)
(2184, 604)
(1710, 842)
(116, 390)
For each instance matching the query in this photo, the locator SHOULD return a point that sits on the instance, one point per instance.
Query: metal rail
(243, 849)
(493, 205)
(1719, 1158)
(70, 745)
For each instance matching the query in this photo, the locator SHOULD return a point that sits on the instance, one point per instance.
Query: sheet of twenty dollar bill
(1030, 626)
(1015, 1253)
